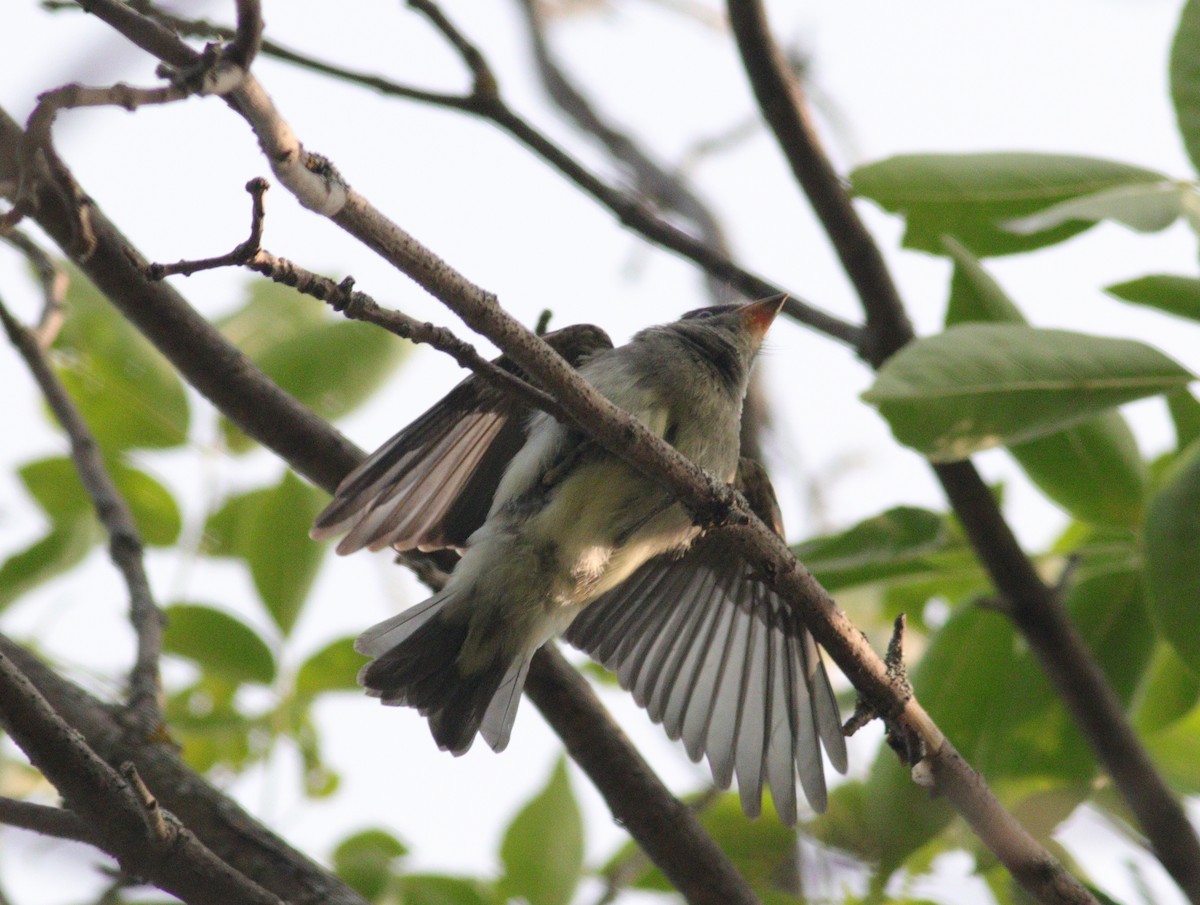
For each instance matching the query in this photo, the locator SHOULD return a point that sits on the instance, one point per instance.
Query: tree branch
(1036, 609)
(145, 844)
(263, 411)
(125, 543)
(37, 818)
(629, 210)
(231, 833)
(714, 502)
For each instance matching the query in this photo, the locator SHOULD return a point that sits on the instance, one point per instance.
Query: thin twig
(356, 305)
(54, 282)
(125, 544)
(631, 211)
(47, 821)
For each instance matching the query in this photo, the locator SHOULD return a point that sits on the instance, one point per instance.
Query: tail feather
(417, 665)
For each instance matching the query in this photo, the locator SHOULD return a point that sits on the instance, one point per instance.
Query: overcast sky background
(1077, 76)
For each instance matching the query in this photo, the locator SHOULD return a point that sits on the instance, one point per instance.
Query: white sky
(1076, 76)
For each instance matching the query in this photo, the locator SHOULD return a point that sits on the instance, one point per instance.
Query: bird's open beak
(759, 315)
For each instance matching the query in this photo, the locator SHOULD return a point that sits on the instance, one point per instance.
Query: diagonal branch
(489, 105)
(713, 502)
(310, 446)
(113, 808)
(125, 543)
(1035, 608)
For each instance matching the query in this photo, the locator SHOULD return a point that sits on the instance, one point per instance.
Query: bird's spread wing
(723, 663)
(431, 485)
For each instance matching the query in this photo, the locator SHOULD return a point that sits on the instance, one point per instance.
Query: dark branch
(47, 821)
(161, 851)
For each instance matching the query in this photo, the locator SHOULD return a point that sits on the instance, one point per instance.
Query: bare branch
(248, 42)
(1036, 609)
(125, 544)
(343, 297)
(630, 210)
(38, 818)
(162, 851)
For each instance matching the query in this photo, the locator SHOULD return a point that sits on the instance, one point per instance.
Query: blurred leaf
(63, 548)
(130, 396)
(208, 728)
(1185, 79)
(367, 861)
(981, 385)
(329, 364)
(218, 643)
(1095, 470)
(333, 668)
(1168, 691)
(974, 293)
(762, 850)
(1172, 548)
(1145, 207)
(1030, 734)
(542, 851)
(431, 889)
(56, 486)
(1172, 294)
(969, 196)
(1185, 415)
(1176, 752)
(268, 529)
(899, 542)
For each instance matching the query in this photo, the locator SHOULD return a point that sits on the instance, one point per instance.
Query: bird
(556, 536)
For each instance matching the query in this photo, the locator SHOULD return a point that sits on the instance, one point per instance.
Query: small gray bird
(558, 536)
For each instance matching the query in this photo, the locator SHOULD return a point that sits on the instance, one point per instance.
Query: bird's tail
(417, 664)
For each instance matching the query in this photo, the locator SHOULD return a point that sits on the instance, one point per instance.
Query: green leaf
(1176, 752)
(432, 889)
(981, 385)
(208, 727)
(332, 668)
(1173, 294)
(367, 861)
(130, 396)
(56, 486)
(974, 293)
(331, 365)
(1185, 415)
(762, 849)
(218, 643)
(542, 851)
(1095, 470)
(1167, 693)
(1172, 541)
(269, 530)
(1145, 207)
(1185, 79)
(970, 196)
(901, 541)
(63, 548)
